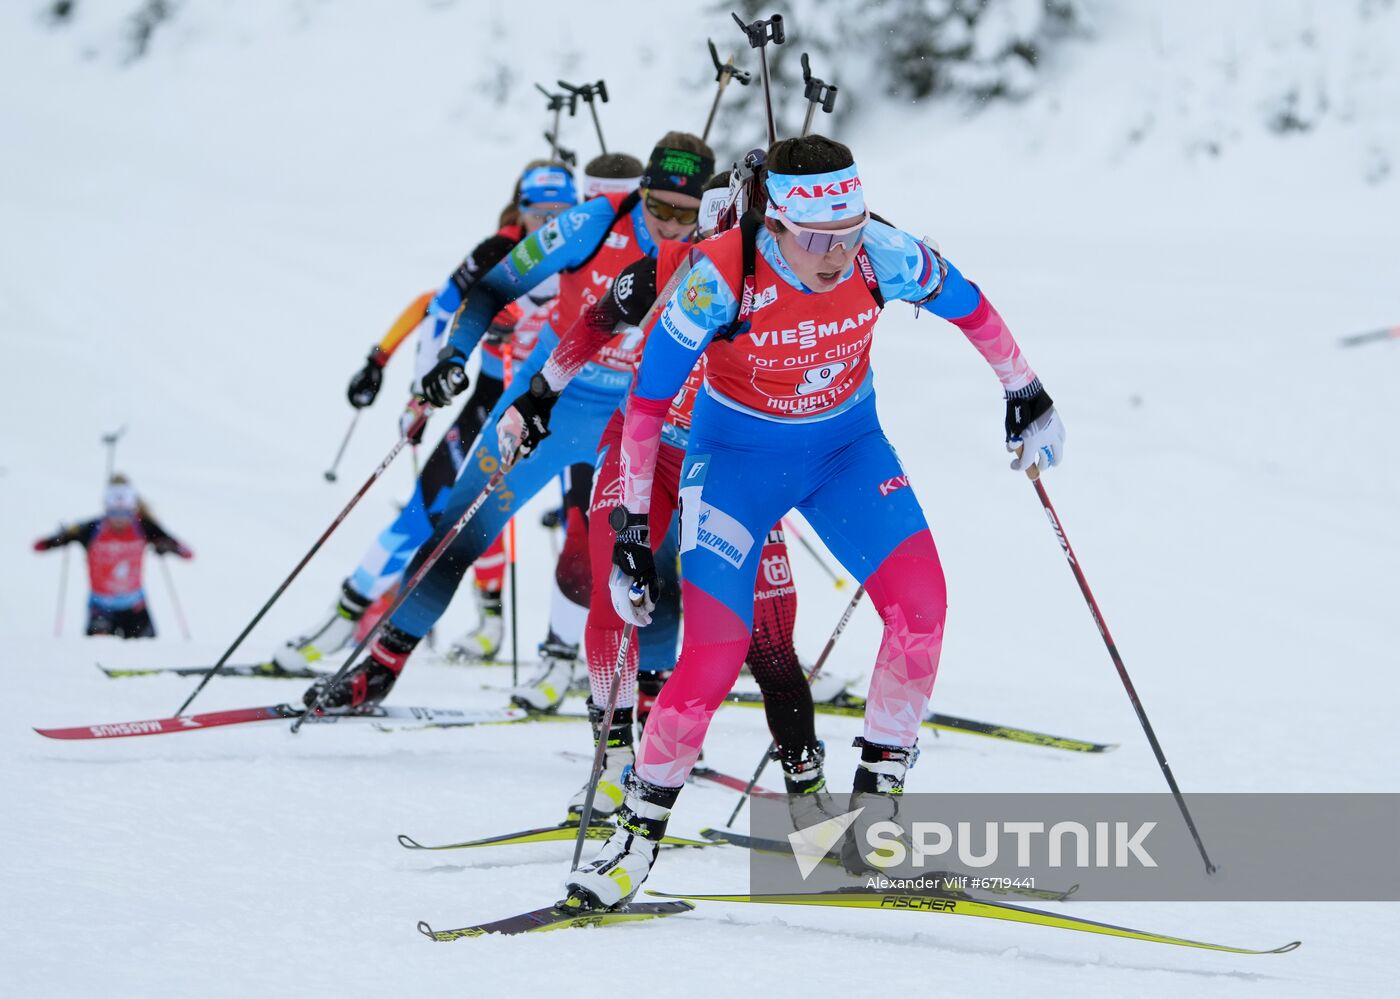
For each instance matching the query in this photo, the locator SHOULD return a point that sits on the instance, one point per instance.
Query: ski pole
(174, 598)
(556, 103)
(837, 579)
(1355, 339)
(330, 472)
(723, 73)
(759, 34)
(600, 751)
(111, 441)
(567, 156)
(508, 370)
(62, 593)
(359, 494)
(589, 92)
(1118, 664)
(405, 591)
(812, 675)
(817, 93)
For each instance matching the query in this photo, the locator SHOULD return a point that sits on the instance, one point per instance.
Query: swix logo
(777, 571)
(867, 269)
(1060, 536)
(615, 241)
(832, 190)
(891, 485)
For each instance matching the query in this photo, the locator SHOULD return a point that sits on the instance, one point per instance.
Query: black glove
(1024, 406)
(448, 378)
(525, 424)
(632, 553)
(364, 384)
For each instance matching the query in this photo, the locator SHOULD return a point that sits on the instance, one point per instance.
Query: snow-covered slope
(201, 244)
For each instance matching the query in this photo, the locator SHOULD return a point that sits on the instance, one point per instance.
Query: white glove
(509, 432)
(414, 419)
(632, 603)
(1043, 443)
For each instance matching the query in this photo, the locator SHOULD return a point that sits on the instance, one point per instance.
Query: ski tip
(409, 843)
(426, 930)
(1285, 948)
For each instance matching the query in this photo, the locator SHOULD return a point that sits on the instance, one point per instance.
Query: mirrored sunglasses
(667, 212)
(825, 240)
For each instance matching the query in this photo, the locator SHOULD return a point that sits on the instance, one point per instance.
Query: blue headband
(817, 197)
(547, 183)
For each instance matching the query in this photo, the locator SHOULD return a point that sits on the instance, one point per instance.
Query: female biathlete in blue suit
(787, 419)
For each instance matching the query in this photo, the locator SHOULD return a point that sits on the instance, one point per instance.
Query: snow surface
(201, 244)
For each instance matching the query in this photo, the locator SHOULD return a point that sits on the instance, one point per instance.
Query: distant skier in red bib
(116, 546)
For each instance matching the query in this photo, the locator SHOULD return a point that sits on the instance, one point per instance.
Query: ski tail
(959, 906)
(560, 916)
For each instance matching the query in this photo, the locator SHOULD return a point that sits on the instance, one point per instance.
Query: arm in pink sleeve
(641, 439)
(985, 330)
(585, 337)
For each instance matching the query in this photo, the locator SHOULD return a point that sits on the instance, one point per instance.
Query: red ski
(430, 717)
(160, 726)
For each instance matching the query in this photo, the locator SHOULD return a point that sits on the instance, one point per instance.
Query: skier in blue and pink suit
(786, 420)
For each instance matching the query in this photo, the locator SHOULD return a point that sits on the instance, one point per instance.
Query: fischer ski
(568, 914)
(437, 717)
(992, 886)
(567, 830)
(265, 670)
(853, 706)
(958, 906)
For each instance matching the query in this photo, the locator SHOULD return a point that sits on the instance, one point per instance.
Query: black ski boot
(368, 682)
(879, 782)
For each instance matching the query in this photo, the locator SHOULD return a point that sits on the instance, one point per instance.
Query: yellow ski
(948, 905)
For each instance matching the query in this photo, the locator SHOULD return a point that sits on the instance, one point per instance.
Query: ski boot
(551, 684)
(878, 784)
(808, 800)
(481, 644)
(369, 681)
(618, 757)
(331, 634)
(615, 875)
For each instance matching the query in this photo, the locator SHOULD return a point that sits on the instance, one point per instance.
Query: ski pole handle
(759, 34)
(818, 94)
